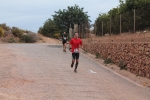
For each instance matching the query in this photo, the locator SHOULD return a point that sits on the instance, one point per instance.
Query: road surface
(43, 72)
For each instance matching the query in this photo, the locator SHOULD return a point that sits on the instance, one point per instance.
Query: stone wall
(136, 56)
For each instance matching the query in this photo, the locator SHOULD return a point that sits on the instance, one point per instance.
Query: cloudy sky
(31, 14)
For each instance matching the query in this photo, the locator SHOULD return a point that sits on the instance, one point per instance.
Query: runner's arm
(70, 43)
(70, 46)
(81, 46)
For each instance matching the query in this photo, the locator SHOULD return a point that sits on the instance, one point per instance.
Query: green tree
(49, 28)
(126, 7)
(122, 7)
(105, 18)
(70, 16)
(40, 30)
(135, 4)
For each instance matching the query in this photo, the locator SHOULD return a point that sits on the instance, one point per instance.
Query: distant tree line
(111, 20)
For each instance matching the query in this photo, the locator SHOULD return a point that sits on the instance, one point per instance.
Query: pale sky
(31, 14)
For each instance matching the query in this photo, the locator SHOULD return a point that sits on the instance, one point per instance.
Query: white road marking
(93, 72)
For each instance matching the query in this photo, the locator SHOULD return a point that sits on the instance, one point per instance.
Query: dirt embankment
(44, 39)
(121, 38)
(41, 39)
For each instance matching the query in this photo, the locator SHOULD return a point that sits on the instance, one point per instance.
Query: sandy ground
(43, 39)
(48, 40)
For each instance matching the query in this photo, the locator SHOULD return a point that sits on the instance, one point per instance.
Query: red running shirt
(75, 43)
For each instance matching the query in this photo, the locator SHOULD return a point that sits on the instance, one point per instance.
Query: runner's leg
(65, 46)
(73, 59)
(77, 62)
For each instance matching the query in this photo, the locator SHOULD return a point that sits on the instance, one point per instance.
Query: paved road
(43, 72)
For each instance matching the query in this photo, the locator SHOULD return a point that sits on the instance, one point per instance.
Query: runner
(64, 41)
(75, 44)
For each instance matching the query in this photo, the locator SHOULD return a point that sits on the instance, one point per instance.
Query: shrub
(29, 38)
(11, 40)
(97, 55)
(1, 32)
(25, 38)
(107, 61)
(57, 35)
(5, 27)
(34, 37)
(17, 32)
(122, 65)
(85, 51)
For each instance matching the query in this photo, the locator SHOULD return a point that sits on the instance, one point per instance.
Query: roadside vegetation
(16, 35)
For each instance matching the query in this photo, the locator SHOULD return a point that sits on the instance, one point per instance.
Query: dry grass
(124, 37)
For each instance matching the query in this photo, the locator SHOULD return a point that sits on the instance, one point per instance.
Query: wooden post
(102, 28)
(70, 33)
(82, 32)
(86, 31)
(134, 20)
(110, 26)
(79, 31)
(75, 27)
(120, 24)
(95, 30)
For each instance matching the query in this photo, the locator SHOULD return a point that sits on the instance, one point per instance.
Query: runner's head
(76, 35)
(64, 32)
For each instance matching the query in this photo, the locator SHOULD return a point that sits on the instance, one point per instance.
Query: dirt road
(43, 72)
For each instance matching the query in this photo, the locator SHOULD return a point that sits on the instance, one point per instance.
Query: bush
(107, 61)
(5, 27)
(11, 40)
(25, 38)
(34, 37)
(97, 55)
(1, 32)
(29, 38)
(17, 32)
(122, 65)
(57, 35)
(85, 51)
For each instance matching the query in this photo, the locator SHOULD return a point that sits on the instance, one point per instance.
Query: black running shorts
(64, 42)
(75, 56)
